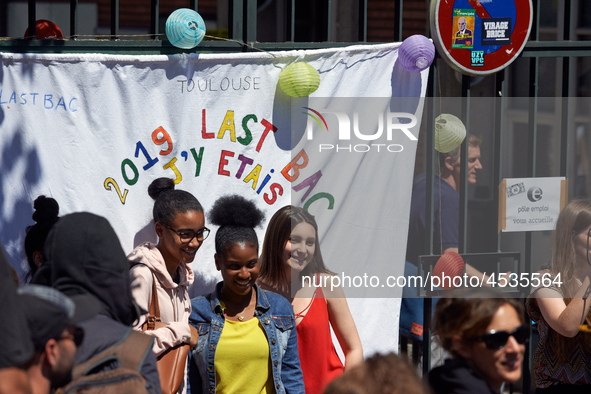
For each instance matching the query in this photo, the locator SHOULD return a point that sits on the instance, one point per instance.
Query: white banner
(93, 131)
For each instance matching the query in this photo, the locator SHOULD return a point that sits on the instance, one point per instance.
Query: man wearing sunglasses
(49, 317)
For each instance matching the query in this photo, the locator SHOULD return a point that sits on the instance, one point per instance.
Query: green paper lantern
(299, 80)
(450, 132)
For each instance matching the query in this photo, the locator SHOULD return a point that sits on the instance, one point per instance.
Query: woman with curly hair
(247, 336)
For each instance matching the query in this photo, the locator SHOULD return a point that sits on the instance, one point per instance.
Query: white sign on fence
(530, 204)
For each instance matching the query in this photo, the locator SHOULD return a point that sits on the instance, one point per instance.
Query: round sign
(480, 38)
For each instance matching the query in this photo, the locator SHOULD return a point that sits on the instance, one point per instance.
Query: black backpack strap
(129, 353)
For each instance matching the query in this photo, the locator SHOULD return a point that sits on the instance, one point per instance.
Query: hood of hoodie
(89, 265)
(149, 255)
(15, 337)
(457, 376)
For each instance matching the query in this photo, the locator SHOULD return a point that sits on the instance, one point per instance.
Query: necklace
(240, 317)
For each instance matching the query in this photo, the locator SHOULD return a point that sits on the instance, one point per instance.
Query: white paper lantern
(450, 132)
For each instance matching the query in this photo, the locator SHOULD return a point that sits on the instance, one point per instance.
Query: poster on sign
(93, 131)
(463, 36)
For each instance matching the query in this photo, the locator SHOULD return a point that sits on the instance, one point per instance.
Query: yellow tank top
(243, 360)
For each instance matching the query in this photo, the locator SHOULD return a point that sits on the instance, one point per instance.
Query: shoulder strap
(154, 315)
(126, 352)
(303, 312)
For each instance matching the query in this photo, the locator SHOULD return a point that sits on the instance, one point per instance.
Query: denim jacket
(276, 316)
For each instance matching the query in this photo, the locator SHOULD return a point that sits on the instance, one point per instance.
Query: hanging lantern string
(100, 37)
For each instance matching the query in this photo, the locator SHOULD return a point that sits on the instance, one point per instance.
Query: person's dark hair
(237, 218)
(278, 232)
(468, 316)
(168, 201)
(46, 215)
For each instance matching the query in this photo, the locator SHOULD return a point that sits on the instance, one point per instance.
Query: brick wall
(381, 15)
(136, 13)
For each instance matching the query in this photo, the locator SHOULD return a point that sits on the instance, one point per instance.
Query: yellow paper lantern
(299, 80)
(450, 132)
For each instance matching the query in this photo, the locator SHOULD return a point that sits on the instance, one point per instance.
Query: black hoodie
(15, 339)
(457, 377)
(87, 263)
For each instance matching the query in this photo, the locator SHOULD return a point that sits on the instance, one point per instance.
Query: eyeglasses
(187, 236)
(74, 333)
(496, 340)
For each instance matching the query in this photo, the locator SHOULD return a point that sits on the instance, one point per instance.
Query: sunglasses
(496, 340)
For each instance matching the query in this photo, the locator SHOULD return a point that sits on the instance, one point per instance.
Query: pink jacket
(173, 298)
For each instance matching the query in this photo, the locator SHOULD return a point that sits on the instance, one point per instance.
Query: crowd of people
(261, 330)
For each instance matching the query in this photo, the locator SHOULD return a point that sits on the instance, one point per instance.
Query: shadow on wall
(146, 234)
(16, 213)
(290, 129)
(406, 90)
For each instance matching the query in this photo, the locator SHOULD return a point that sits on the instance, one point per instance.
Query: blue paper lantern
(185, 28)
(416, 53)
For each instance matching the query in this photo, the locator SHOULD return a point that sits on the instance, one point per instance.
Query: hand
(194, 336)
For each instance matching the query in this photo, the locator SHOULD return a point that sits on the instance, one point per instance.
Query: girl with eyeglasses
(292, 265)
(247, 336)
(180, 225)
(560, 307)
(486, 336)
